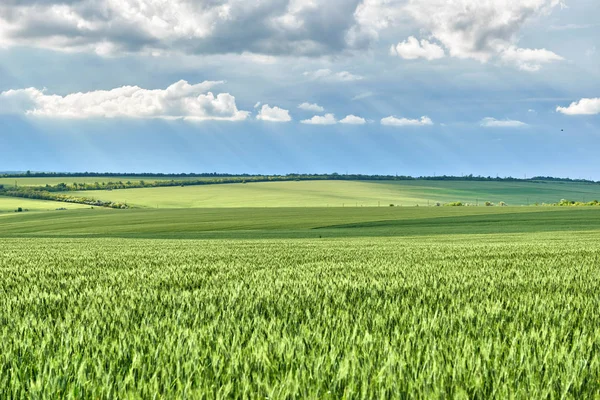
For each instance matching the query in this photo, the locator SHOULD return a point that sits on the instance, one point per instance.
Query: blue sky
(415, 87)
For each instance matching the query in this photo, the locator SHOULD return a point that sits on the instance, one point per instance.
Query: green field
(303, 302)
(467, 316)
(10, 204)
(347, 194)
(251, 223)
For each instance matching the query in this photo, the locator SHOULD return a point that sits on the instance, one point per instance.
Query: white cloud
(273, 114)
(258, 103)
(179, 101)
(258, 31)
(582, 107)
(411, 49)
(327, 119)
(467, 29)
(250, 28)
(311, 107)
(529, 59)
(393, 121)
(328, 75)
(496, 123)
(353, 120)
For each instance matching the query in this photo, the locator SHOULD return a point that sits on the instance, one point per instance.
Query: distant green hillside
(348, 194)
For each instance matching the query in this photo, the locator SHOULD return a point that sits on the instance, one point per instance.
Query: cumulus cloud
(353, 120)
(467, 29)
(411, 49)
(253, 28)
(393, 121)
(328, 75)
(582, 107)
(327, 119)
(259, 30)
(311, 107)
(179, 101)
(273, 114)
(496, 123)
(529, 59)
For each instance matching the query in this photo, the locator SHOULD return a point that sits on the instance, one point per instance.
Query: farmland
(348, 194)
(254, 223)
(458, 316)
(303, 302)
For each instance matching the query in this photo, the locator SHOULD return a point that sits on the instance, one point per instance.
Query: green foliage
(454, 204)
(471, 317)
(573, 203)
(332, 176)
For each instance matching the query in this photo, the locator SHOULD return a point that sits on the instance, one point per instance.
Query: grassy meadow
(260, 291)
(347, 194)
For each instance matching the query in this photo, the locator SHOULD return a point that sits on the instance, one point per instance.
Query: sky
(408, 87)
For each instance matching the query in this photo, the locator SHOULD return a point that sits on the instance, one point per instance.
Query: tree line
(234, 178)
